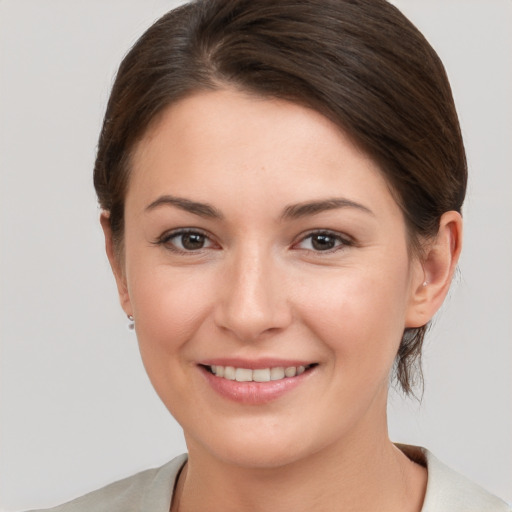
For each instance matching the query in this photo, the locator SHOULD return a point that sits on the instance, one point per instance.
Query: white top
(151, 490)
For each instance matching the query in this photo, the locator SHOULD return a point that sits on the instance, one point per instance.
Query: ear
(116, 265)
(434, 271)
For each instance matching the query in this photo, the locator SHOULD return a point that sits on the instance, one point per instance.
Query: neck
(363, 473)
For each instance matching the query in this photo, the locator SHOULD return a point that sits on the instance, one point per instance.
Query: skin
(259, 287)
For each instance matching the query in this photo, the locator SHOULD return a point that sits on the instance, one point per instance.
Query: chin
(259, 455)
(264, 444)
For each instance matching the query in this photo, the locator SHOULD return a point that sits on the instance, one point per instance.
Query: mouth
(256, 382)
(272, 373)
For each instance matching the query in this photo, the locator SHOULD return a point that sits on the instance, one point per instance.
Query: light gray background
(77, 409)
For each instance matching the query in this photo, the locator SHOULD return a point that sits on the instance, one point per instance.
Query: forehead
(222, 143)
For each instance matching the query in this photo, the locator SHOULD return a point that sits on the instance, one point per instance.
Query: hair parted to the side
(360, 63)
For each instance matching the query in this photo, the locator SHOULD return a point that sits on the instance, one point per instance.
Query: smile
(257, 375)
(269, 381)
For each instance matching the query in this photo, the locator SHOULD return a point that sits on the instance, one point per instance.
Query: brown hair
(360, 63)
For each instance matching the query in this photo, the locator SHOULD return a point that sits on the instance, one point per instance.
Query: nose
(253, 300)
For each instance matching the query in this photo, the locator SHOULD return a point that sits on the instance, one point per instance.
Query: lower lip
(253, 393)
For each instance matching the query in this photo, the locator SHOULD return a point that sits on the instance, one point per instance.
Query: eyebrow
(299, 210)
(201, 209)
(294, 211)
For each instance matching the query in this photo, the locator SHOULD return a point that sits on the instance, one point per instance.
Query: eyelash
(343, 241)
(165, 240)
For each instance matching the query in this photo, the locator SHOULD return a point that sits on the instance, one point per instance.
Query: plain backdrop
(77, 410)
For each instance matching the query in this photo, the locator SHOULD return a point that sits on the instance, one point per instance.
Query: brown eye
(192, 241)
(323, 242)
(185, 241)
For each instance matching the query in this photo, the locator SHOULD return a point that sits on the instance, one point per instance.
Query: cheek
(359, 315)
(169, 307)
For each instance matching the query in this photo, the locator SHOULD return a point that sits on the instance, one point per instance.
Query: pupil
(323, 242)
(192, 241)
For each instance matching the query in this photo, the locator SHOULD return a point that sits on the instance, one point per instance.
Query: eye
(186, 241)
(322, 241)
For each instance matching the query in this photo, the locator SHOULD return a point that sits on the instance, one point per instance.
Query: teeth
(276, 373)
(259, 375)
(243, 375)
(229, 372)
(291, 371)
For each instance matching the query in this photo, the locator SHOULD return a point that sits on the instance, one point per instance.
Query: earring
(424, 283)
(131, 325)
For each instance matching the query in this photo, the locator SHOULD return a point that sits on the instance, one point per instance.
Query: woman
(281, 187)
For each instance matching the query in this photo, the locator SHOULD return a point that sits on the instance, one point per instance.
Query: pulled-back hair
(360, 63)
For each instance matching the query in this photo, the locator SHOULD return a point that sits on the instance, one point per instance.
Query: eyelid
(166, 235)
(346, 240)
(165, 238)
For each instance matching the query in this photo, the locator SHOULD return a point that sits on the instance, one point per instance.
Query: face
(267, 268)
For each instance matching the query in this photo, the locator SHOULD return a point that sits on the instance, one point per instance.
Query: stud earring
(424, 283)
(131, 325)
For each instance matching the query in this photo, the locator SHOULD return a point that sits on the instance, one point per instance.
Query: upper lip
(255, 364)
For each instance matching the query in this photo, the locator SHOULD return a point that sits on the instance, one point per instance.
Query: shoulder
(449, 491)
(147, 490)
